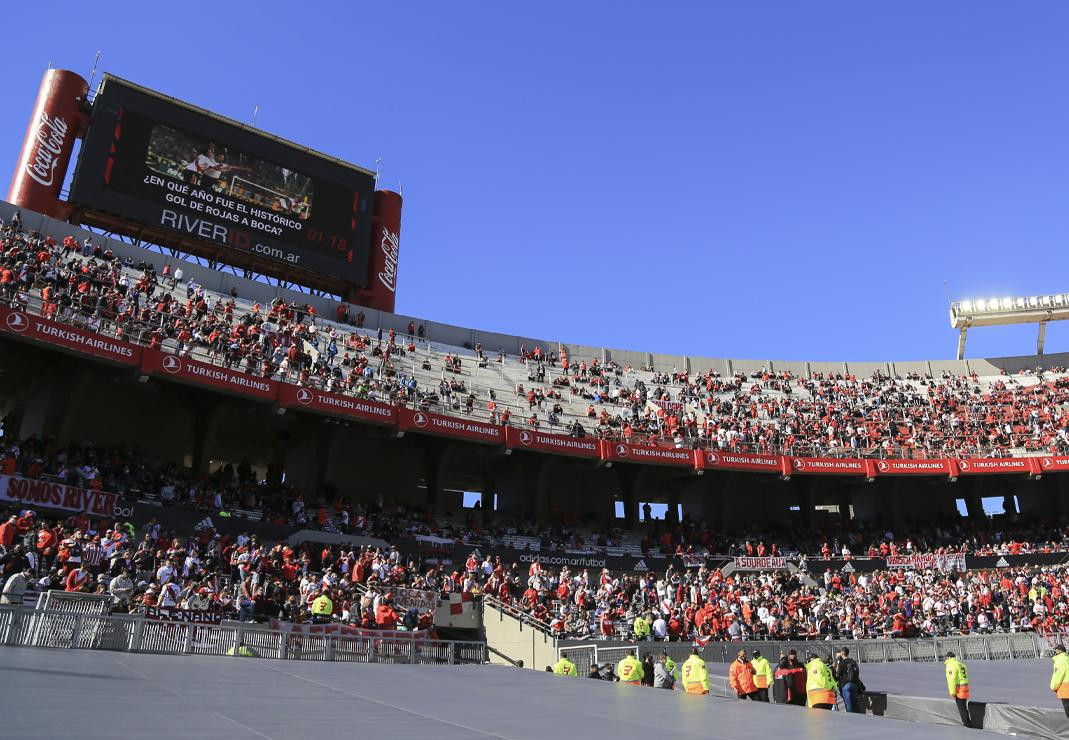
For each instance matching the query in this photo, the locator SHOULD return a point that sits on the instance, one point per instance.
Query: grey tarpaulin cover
(1009, 697)
(89, 695)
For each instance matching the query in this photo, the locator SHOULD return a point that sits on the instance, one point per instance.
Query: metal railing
(1002, 646)
(126, 633)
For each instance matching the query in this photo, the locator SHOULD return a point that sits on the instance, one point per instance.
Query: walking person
(820, 684)
(662, 676)
(1059, 681)
(762, 675)
(848, 676)
(958, 686)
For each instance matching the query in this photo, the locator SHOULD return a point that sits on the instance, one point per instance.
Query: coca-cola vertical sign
(381, 290)
(59, 117)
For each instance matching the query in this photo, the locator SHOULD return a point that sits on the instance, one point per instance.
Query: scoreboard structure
(164, 171)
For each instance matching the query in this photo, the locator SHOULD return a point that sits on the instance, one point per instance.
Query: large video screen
(203, 178)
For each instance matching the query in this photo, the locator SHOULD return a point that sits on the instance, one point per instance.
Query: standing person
(795, 673)
(671, 667)
(662, 677)
(630, 669)
(695, 674)
(782, 681)
(740, 676)
(820, 684)
(848, 676)
(1059, 681)
(15, 586)
(958, 686)
(565, 667)
(762, 675)
(647, 670)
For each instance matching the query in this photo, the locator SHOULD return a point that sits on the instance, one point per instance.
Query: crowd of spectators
(240, 576)
(83, 283)
(688, 604)
(251, 579)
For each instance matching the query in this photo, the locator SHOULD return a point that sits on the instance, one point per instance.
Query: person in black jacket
(647, 668)
(789, 679)
(848, 676)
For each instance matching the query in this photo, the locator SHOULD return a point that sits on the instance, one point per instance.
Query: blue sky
(769, 179)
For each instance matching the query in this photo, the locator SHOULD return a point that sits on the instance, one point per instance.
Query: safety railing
(126, 633)
(999, 646)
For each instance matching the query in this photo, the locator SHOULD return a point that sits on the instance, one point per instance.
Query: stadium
(234, 476)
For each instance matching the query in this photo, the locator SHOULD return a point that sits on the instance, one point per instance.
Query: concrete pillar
(432, 463)
(1009, 506)
(974, 499)
(489, 488)
(672, 517)
(208, 414)
(629, 482)
(1062, 495)
(846, 496)
(806, 490)
(48, 407)
(543, 490)
(325, 437)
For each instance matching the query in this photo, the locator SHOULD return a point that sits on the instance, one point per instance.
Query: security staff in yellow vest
(565, 667)
(1059, 681)
(695, 674)
(820, 684)
(241, 651)
(762, 675)
(670, 666)
(322, 607)
(958, 686)
(630, 669)
(641, 627)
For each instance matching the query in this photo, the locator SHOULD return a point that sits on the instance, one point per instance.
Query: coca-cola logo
(420, 419)
(171, 364)
(304, 396)
(17, 322)
(883, 466)
(50, 136)
(712, 458)
(526, 438)
(621, 450)
(390, 246)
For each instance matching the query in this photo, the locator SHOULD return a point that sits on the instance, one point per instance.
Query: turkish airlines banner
(29, 492)
(528, 439)
(913, 467)
(43, 331)
(830, 466)
(624, 452)
(999, 465)
(717, 460)
(185, 370)
(311, 399)
(1053, 464)
(450, 426)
